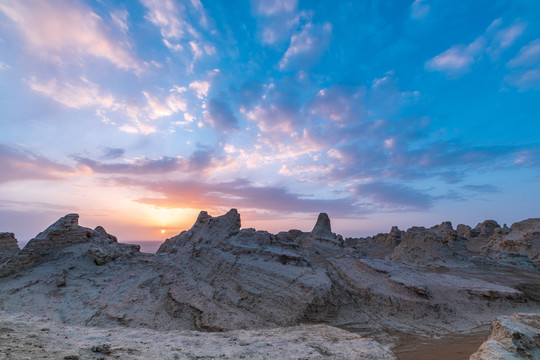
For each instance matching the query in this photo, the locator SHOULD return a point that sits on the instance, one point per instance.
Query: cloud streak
(239, 193)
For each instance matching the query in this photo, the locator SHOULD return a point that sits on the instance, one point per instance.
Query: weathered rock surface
(219, 277)
(8, 242)
(65, 233)
(513, 337)
(8, 246)
(522, 239)
(439, 244)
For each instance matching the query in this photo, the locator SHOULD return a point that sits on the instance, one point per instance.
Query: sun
(163, 231)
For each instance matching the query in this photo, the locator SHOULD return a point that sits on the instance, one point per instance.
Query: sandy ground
(449, 347)
(28, 337)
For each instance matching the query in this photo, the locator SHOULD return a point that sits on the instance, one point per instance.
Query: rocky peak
(395, 232)
(206, 231)
(445, 231)
(322, 226)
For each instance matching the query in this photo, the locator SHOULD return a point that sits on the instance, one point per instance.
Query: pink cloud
(58, 30)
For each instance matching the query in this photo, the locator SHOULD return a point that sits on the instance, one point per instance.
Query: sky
(138, 114)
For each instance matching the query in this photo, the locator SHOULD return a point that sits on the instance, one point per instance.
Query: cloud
(120, 19)
(199, 161)
(200, 87)
(524, 79)
(273, 7)
(58, 30)
(18, 164)
(158, 108)
(240, 193)
(502, 39)
(77, 96)
(112, 153)
(174, 22)
(139, 115)
(338, 103)
(165, 15)
(484, 189)
(528, 55)
(220, 116)
(394, 196)
(420, 9)
(277, 19)
(306, 46)
(525, 67)
(457, 59)
(272, 118)
(4, 66)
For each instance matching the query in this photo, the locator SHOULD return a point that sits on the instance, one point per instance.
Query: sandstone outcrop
(513, 337)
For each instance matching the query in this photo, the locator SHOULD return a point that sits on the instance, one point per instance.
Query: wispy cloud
(307, 46)
(525, 67)
(528, 55)
(272, 7)
(177, 28)
(74, 95)
(458, 58)
(392, 196)
(420, 9)
(277, 19)
(139, 115)
(60, 30)
(166, 16)
(199, 161)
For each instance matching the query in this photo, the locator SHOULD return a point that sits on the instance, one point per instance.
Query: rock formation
(439, 244)
(66, 232)
(8, 245)
(219, 277)
(8, 242)
(513, 337)
(522, 239)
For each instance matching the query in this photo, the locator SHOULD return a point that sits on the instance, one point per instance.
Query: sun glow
(163, 231)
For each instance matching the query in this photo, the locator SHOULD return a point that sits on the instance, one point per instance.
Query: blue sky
(138, 114)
